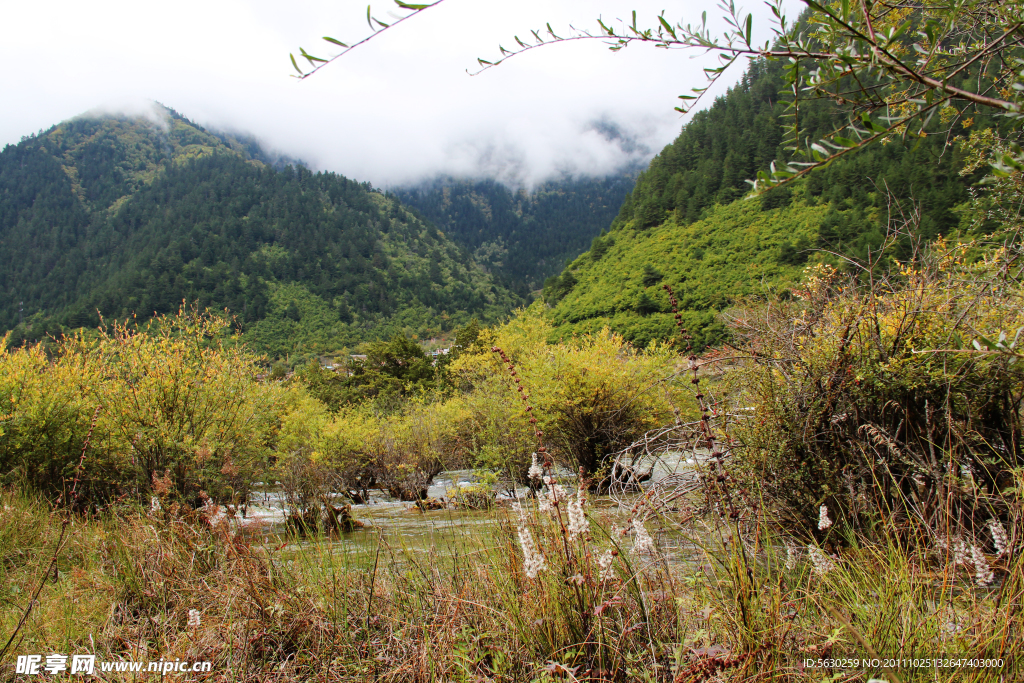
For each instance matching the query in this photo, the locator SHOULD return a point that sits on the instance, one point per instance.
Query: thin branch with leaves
(890, 64)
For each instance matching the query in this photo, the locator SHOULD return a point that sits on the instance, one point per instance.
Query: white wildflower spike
(605, 563)
(194, 619)
(552, 494)
(821, 562)
(823, 521)
(154, 505)
(959, 552)
(535, 473)
(558, 493)
(533, 560)
(791, 554)
(544, 501)
(643, 544)
(577, 518)
(1000, 539)
(982, 572)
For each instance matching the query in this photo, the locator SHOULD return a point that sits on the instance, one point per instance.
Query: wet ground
(448, 531)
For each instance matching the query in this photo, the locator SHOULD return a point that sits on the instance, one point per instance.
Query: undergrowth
(605, 604)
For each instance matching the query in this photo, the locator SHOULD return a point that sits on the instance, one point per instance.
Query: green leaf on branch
(668, 26)
(310, 58)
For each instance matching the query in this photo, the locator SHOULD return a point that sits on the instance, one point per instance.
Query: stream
(444, 531)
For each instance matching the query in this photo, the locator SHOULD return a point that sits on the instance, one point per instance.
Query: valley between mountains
(650, 425)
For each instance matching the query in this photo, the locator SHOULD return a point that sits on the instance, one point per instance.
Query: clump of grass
(139, 586)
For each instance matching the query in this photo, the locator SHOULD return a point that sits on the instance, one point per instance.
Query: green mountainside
(686, 224)
(737, 250)
(131, 216)
(522, 237)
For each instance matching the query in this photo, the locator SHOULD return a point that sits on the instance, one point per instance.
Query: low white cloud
(398, 109)
(150, 110)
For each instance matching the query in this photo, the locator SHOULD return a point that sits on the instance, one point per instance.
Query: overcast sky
(398, 109)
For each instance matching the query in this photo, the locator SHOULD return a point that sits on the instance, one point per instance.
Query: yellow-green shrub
(174, 403)
(401, 452)
(592, 395)
(876, 395)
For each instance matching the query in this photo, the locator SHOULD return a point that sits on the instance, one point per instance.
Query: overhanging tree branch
(872, 44)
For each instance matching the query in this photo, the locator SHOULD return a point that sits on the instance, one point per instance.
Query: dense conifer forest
(522, 236)
(129, 217)
(117, 217)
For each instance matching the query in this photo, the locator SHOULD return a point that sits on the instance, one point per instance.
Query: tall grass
(127, 585)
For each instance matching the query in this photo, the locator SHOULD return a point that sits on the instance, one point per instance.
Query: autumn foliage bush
(896, 394)
(591, 395)
(177, 409)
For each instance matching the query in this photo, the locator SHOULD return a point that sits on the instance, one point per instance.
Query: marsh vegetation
(851, 489)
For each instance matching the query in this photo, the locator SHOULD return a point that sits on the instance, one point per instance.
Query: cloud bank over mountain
(396, 110)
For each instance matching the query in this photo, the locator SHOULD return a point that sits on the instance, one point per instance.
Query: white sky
(397, 109)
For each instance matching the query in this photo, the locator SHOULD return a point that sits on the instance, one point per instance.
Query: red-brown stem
(524, 397)
(705, 409)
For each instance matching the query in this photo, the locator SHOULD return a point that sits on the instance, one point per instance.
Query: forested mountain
(522, 237)
(132, 216)
(685, 223)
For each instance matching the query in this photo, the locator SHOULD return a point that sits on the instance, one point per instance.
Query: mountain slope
(522, 237)
(685, 219)
(133, 216)
(738, 250)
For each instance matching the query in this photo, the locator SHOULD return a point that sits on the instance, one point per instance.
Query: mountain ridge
(522, 236)
(130, 217)
(687, 210)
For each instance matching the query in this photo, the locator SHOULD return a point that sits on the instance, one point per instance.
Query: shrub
(880, 396)
(306, 481)
(172, 403)
(592, 396)
(400, 452)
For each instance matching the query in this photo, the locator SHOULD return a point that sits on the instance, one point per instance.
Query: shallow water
(450, 531)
